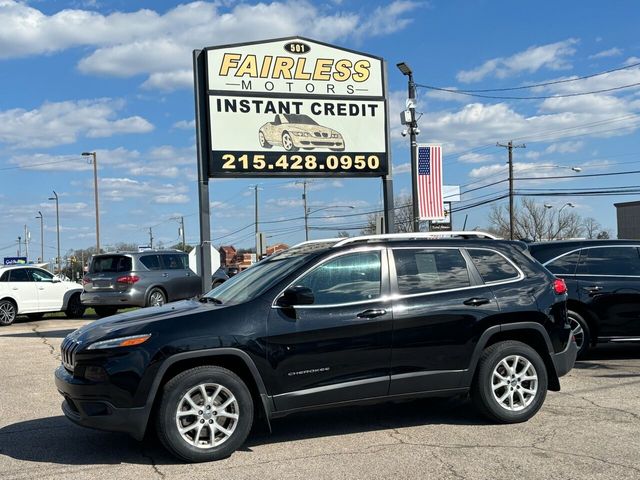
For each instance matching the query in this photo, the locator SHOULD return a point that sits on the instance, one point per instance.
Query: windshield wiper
(210, 300)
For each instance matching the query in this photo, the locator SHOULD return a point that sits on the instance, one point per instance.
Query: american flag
(430, 202)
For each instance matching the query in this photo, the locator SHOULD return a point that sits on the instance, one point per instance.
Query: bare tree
(403, 214)
(535, 222)
(591, 227)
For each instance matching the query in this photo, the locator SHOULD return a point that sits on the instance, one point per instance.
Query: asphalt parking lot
(589, 430)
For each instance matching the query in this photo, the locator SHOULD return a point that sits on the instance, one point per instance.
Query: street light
(308, 211)
(412, 127)
(55, 197)
(95, 190)
(568, 204)
(41, 235)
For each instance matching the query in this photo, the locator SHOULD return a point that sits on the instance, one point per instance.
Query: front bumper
(564, 361)
(84, 405)
(132, 298)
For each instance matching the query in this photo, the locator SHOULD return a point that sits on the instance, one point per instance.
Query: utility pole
(255, 190)
(150, 237)
(306, 211)
(95, 191)
(19, 246)
(26, 242)
(510, 146)
(41, 235)
(55, 197)
(184, 245)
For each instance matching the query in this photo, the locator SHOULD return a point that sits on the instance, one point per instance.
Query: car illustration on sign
(294, 132)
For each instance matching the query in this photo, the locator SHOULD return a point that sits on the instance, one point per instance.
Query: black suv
(326, 323)
(603, 282)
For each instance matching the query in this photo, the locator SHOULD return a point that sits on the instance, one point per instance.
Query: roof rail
(322, 240)
(418, 235)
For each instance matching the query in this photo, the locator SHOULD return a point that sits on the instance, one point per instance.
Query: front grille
(67, 353)
(321, 134)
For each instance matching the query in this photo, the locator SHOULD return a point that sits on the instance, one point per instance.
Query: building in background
(628, 214)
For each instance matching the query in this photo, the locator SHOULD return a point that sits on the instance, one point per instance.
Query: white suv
(32, 291)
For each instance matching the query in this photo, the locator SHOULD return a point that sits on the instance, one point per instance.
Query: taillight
(85, 280)
(559, 286)
(128, 279)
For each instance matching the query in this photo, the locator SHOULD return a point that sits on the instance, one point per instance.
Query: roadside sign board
(15, 260)
(443, 225)
(294, 107)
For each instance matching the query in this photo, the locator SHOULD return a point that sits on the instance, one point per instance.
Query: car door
(23, 289)
(50, 293)
(180, 280)
(439, 307)
(609, 283)
(338, 348)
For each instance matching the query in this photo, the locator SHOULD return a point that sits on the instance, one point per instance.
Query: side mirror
(297, 295)
(56, 280)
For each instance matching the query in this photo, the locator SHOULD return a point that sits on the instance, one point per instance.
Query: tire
(217, 283)
(35, 316)
(189, 383)
(105, 311)
(8, 312)
(75, 308)
(581, 332)
(287, 142)
(263, 141)
(156, 298)
(485, 390)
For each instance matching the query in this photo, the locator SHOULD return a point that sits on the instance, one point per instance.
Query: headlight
(120, 342)
(335, 135)
(301, 134)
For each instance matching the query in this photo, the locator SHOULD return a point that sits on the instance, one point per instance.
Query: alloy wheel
(7, 313)
(207, 415)
(577, 331)
(156, 299)
(514, 383)
(287, 143)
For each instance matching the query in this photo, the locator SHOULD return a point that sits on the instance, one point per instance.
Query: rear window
(111, 264)
(429, 270)
(492, 266)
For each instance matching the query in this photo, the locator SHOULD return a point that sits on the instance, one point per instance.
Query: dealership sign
(15, 260)
(294, 107)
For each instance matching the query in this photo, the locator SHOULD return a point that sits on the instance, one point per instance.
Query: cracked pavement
(589, 430)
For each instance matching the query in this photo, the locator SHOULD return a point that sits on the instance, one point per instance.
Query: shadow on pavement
(56, 440)
(596, 357)
(46, 333)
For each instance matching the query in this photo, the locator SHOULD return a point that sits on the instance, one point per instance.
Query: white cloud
(564, 147)
(185, 124)
(552, 56)
(171, 198)
(118, 189)
(473, 157)
(612, 52)
(62, 123)
(159, 44)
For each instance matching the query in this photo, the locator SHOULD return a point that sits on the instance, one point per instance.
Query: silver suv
(137, 279)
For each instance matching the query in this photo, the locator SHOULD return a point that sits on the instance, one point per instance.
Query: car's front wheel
(511, 382)
(8, 312)
(205, 414)
(287, 142)
(263, 140)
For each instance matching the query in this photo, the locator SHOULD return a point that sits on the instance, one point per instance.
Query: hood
(131, 323)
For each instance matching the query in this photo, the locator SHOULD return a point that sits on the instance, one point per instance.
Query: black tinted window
(565, 265)
(152, 262)
(492, 266)
(174, 261)
(430, 270)
(20, 275)
(610, 261)
(4, 277)
(349, 278)
(111, 264)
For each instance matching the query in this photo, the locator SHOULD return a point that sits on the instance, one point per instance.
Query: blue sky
(115, 77)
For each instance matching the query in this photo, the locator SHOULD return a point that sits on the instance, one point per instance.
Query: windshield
(300, 119)
(257, 279)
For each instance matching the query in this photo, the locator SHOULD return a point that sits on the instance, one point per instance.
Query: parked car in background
(603, 281)
(326, 323)
(138, 279)
(33, 291)
(231, 271)
(219, 277)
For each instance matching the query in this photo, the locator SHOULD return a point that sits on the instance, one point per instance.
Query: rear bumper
(131, 298)
(83, 406)
(564, 361)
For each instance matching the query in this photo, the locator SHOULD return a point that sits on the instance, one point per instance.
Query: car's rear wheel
(287, 142)
(105, 311)
(156, 298)
(75, 308)
(263, 140)
(8, 312)
(510, 384)
(580, 331)
(205, 414)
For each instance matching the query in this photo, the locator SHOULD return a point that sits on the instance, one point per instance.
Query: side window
(174, 261)
(152, 262)
(430, 270)
(610, 261)
(19, 275)
(41, 276)
(565, 265)
(349, 278)
(4, 277)
(492, 266)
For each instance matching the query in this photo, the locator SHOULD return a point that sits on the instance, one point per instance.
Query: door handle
(372, 313)
(40, 288)
(592, 289)
(476, 302)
